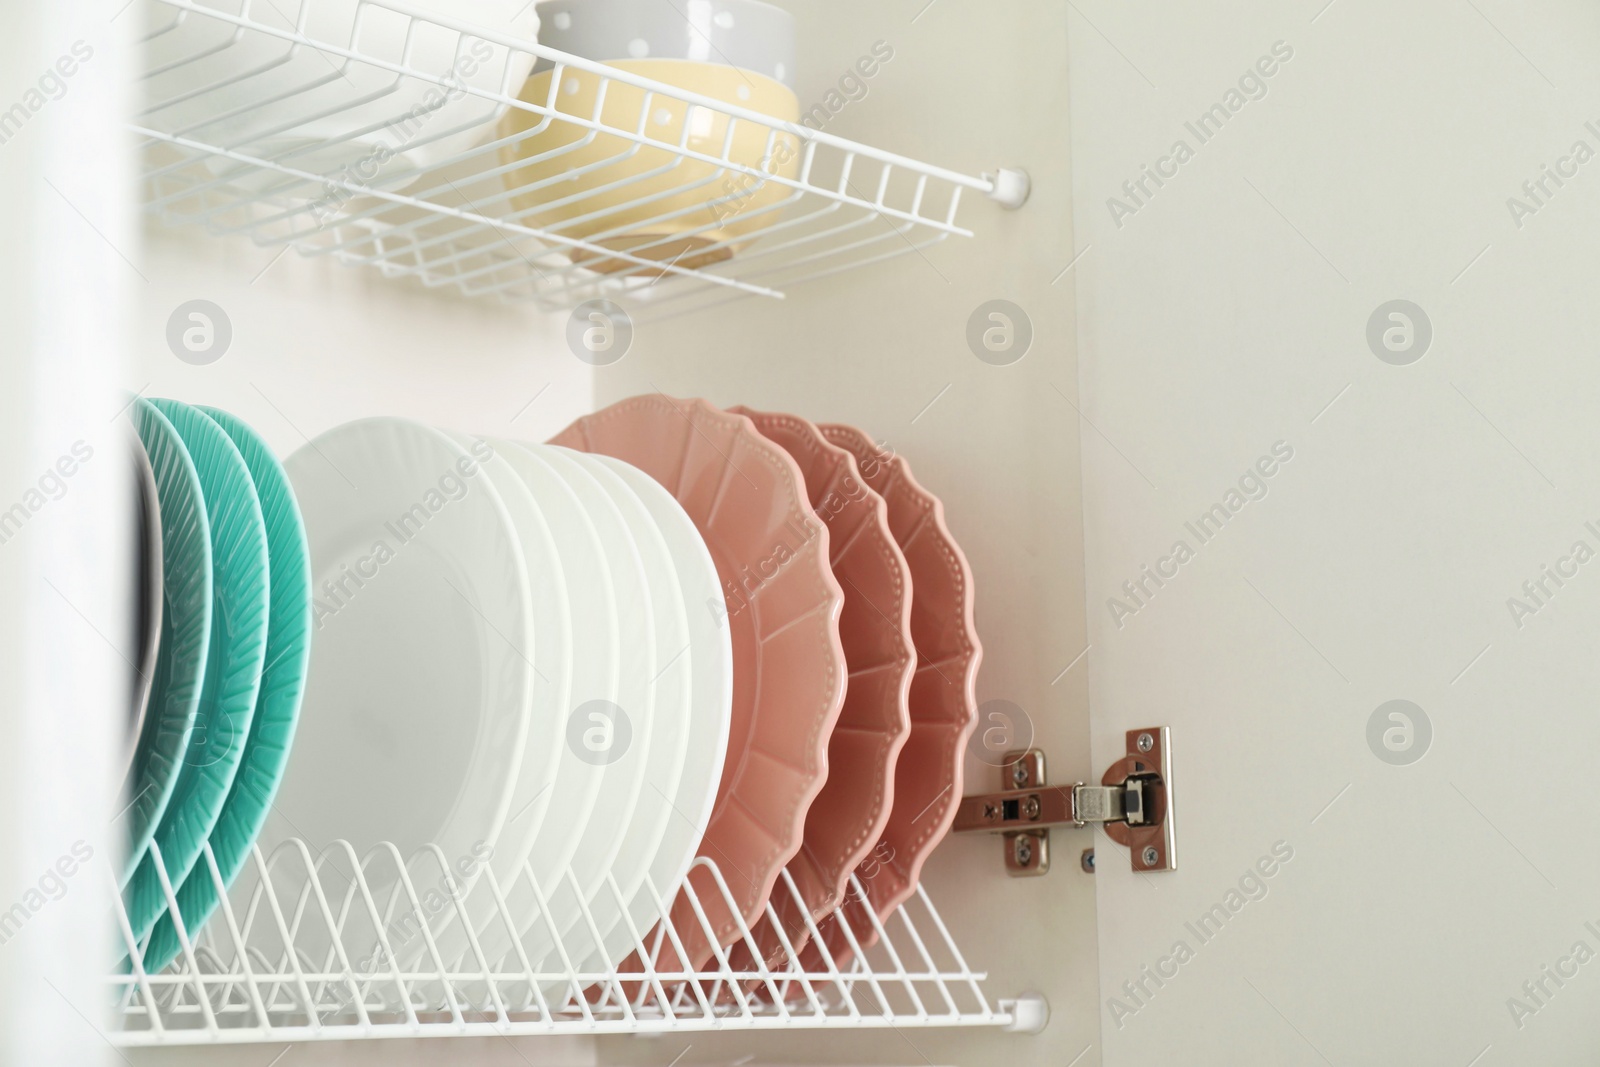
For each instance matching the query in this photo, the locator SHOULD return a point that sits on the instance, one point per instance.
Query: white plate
(614, 734)
(669, 735)
(416, 709)
(710, 658)
(552, 687)
(595, 657)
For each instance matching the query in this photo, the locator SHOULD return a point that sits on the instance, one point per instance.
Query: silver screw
(1024, 852)
(1019, 773)
(1146, 742)
(1150, 856)
(1086, 861)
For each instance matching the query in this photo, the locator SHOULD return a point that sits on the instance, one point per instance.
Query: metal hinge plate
(1133, 803)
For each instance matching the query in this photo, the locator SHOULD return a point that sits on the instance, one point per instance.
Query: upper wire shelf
(333, 945)
(381, 134)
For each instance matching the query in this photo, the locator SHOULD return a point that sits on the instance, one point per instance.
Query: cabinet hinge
(1132, 803)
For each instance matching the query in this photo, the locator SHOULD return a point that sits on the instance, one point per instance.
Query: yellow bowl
(651, 202)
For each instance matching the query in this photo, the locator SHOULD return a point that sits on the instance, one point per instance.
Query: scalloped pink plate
(850, 814)
(782, 605)
(943, 704)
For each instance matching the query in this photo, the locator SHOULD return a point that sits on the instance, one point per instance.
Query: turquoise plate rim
(185, 629)
(283, 680)
(233, 664)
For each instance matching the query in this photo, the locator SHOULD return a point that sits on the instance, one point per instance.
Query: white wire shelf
(604, 184)
(325, 946)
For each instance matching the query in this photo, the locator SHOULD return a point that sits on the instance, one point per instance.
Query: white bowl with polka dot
(702, 184)
(747, 34)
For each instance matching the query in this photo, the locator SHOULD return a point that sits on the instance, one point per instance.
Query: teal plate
(185, 631)
(233, 666)
(283, 680)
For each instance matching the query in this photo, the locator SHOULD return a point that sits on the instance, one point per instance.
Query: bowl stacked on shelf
(705, 193)
(633, 139)
(227, 617)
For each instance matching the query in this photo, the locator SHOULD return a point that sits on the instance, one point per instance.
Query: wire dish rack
(333, 945)
(382, 134)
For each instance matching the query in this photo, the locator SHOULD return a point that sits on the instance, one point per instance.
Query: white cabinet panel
(64, 634)
(1226, 314)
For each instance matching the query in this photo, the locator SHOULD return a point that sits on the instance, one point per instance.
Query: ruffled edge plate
(943, 700)
(848, 816)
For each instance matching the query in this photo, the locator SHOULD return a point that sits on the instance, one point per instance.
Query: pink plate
(849, 816)
(927, 784)
(747, 498)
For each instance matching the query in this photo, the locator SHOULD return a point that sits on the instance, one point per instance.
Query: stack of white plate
(515, 672)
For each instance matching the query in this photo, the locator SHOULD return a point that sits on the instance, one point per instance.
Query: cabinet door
(1343, 529)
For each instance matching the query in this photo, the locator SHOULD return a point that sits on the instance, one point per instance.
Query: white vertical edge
(64, 575)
